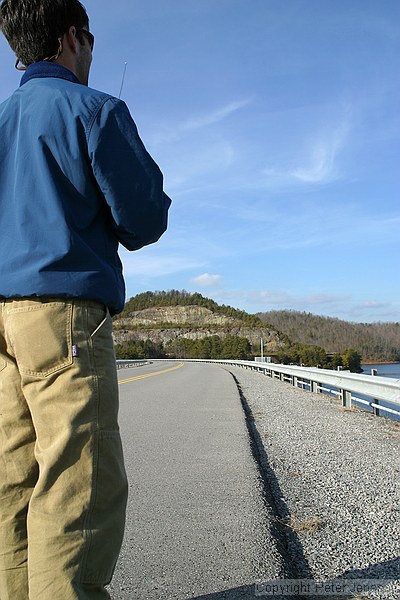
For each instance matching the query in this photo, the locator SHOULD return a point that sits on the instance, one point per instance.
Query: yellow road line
(150, 374)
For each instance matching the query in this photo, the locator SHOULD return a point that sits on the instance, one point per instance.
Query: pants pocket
(96, 318)
(41, 336)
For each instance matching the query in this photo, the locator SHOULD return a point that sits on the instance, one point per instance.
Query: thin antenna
(123, 79)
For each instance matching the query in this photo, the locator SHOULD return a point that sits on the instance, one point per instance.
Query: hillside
(171, 298)
(184, 325)
(376, 342)
(163, 317)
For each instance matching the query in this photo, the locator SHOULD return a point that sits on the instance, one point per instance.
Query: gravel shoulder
(334, 482)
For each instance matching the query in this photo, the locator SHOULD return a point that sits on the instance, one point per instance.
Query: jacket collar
(45, 68)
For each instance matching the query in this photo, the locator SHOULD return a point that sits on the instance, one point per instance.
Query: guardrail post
(346, 398)
(314, 386)
(377, 412)
(294, 381)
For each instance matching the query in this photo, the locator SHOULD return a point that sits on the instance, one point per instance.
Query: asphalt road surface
(197, 524)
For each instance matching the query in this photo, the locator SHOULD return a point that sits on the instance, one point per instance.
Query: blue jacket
(75, 181)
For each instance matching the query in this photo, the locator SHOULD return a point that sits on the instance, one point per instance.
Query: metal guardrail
(348, 387)
(125, 364)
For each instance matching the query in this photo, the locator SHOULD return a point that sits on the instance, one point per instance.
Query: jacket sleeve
(129, 179)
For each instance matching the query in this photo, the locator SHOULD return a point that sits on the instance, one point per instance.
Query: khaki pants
(63, 486)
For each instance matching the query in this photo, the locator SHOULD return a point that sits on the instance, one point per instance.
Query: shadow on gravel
(294, 562)
(243, 592)
(387, 571)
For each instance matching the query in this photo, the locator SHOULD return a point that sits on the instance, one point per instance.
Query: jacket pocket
(41, 336)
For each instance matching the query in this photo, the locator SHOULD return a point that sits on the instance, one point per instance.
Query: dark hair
(33, 27)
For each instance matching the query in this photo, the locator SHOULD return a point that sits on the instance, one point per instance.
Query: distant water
(389, 370)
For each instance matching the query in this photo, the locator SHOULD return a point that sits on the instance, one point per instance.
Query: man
(75, 181)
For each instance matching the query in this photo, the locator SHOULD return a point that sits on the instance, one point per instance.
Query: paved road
(197, 523)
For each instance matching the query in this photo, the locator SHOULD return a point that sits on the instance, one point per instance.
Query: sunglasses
(89, 36)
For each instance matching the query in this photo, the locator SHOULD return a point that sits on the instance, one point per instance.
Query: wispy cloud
(156, 266)
(196, 122)
(196, 165)
(212, 160)
(213, 116)
(207, 280)
(343, 306)
(372, 310)
(284, 299)
(315, 159)
(322, 166)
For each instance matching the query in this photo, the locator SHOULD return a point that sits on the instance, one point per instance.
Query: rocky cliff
(166, 323)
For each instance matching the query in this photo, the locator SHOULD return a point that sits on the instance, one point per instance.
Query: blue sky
(276, 124)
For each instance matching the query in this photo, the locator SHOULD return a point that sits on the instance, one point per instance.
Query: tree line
(315, 356)
(374, 341)
(236, 348)
(231, 347)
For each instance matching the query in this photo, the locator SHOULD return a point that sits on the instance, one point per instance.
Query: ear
(70, 40)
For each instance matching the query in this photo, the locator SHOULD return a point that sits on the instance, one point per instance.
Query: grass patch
(303, 525)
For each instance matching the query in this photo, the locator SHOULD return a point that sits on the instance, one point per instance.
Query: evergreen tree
(352, 360)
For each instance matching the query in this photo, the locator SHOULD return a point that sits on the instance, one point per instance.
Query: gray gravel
(334, 482)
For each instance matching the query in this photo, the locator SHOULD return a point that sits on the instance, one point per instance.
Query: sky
(276, 124)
